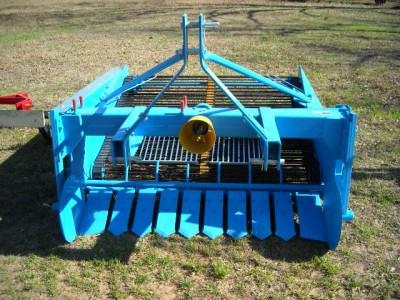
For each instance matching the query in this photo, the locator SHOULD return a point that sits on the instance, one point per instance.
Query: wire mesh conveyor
(202, 89)
(233, 153)
(300, 164)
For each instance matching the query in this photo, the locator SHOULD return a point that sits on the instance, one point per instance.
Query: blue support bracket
(119, 137)
(305, 96)
(308, 90)
(249, 118)
(141, 79)
(120, 140)
(274, 144)
(284, 88)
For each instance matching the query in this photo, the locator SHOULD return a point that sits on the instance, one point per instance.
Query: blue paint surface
(284, 217)
(121, 211)
(213, 214)
(260, 215)
(167, 212)
(95, 213)
(311, 219)
(143, 219)
(237, 218)
(190, 216)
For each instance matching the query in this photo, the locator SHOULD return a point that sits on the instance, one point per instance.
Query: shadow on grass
(294, 250)
(26, 193)
(371, 173)
(105, 15)
(29, 226)
(107, 247)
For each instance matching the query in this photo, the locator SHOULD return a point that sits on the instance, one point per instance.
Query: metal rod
(295, 93)
(146, 75)
(201, 185)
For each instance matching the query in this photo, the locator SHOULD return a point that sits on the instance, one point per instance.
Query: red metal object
(21, 100)
(80, 101)
(183, 103)
(73, 104)
(185, 100)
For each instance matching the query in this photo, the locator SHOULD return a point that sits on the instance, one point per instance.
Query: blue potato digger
(215, 155)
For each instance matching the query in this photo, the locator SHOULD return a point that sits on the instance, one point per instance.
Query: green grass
(11, 37)
(18, 37)
(350, 53)
(326, 266)
(219, 269)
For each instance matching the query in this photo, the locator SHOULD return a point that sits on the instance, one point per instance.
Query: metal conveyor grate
(227, 150)
(233, 150)
(201, 89)
(300, 164)
(166, 149)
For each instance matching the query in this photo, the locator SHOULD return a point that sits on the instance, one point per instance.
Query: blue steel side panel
(67, 137)
(167, 212)
(332, 195)
(144, 212)
(348, 150)
(190, 215)
(93, 143)
(95, 214)
(70, 209)
(56, 138)
(284, 217)
(237, 218)
(213, 214)
(99, 88)
(311, 220)
(67, 129)
(260, 215)
(335, 152)
(121, 211)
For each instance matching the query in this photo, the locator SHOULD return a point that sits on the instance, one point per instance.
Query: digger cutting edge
(237, 155)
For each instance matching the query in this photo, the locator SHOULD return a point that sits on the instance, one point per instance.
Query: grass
(350, 52)
(219, 269)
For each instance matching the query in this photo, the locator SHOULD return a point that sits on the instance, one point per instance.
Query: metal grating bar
(236, 150)
(226, 150)
(300, 165)
(165, 149)
(199, 89)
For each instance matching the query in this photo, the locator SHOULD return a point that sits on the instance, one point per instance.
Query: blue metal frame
(121, 140)
(78, 135)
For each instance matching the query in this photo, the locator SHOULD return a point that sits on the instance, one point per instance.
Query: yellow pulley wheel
(197, 135)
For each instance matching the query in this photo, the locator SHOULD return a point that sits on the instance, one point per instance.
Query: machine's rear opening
(231, 155)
